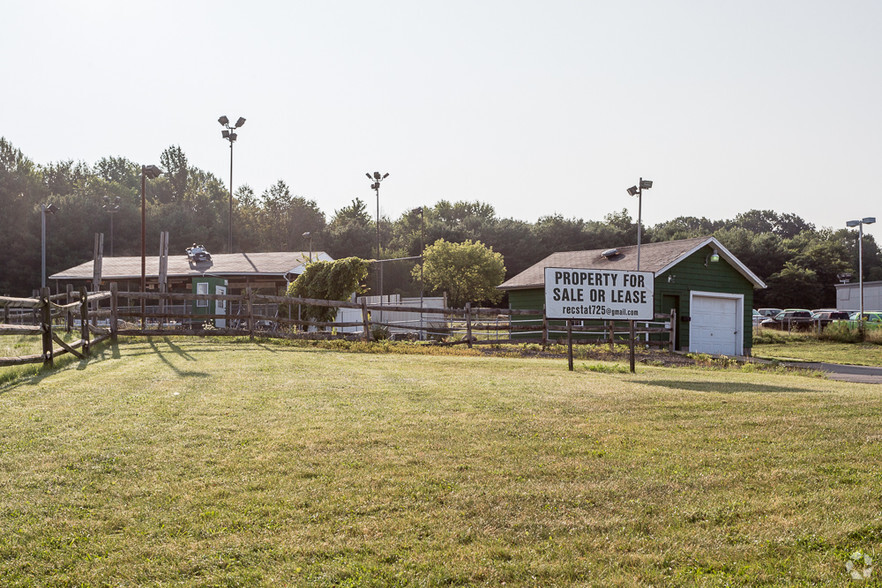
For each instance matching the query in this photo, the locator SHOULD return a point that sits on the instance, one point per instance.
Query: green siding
(527, 300)
(689, 275)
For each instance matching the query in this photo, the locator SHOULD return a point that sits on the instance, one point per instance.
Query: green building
(710, 289)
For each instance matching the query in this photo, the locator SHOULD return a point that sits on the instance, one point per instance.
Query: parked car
(823, 318)
(790, 319)
(872, 319)
(770, 312)
(757, 318)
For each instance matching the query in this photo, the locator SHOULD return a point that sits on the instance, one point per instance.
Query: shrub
(841, 333)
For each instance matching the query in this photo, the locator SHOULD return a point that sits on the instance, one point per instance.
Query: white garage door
(715, 326)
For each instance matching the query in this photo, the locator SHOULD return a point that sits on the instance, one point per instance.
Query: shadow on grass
(176, 350)
(36, 373)
(726, 387)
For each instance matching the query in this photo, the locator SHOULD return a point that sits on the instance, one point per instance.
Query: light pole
(229, 133)
(152, 172)
(422, 246)
(375, 186)
(51, 209)
(308, 235)
(860, 225)
(111, 207)
(638, 191)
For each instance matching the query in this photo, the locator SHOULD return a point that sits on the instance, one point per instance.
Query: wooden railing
(47, 312)
(104, 315)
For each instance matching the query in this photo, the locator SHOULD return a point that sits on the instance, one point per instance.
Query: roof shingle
(276, 263)
(654, 257)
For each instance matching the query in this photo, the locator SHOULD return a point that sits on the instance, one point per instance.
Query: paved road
(846, 373)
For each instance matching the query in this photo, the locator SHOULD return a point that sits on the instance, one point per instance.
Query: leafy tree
(684, 227)
(248, 219)
(328, 280)
(555, 233)
(795, 286)
(468, 271)
(824, 254)
(351, 231)
(21, 192)
(513, 237)
(119, 170)
(769, 221)
(65, 177)
(174, 164)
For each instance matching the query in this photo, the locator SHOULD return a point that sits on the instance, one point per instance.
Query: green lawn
(801, 347)
(171, 462)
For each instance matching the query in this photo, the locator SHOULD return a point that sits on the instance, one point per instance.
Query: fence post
(544, 327)
(365, 320)
(673, 329)
(46, 326)
(250, 305)
(468, 314)
(114, 309)
(69, 316)
(631, 345)
(84, 319)
(570, 343)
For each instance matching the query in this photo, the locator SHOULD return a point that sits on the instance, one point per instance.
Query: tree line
(799, 261)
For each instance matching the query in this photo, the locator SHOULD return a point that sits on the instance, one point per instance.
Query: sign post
(594, 294)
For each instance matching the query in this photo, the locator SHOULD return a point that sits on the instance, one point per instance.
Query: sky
(537, 108)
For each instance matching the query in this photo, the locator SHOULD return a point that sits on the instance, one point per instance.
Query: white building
(848, 296)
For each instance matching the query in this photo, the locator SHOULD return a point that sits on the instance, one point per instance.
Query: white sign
(599, 294)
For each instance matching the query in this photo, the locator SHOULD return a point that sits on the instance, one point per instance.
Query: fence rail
(101, 314)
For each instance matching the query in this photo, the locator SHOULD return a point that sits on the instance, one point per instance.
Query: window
(202, 288)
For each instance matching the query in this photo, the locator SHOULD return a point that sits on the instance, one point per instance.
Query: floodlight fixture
(867, 220)
(229, 134)
(638, 191)
(151, 171)
(377, 177)
(44, 208)
(112, 207)
(308, 235)
(713, 257)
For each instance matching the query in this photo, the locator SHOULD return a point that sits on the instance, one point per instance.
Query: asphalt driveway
(847, 373)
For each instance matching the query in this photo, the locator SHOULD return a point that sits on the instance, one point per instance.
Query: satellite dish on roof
(610, 253)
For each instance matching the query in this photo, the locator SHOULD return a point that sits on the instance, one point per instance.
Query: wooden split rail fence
(102, 315)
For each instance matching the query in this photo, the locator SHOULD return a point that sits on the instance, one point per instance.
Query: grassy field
(170, 462)
(801, 347)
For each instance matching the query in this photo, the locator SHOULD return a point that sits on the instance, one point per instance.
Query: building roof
(275, 264)
(654, 257)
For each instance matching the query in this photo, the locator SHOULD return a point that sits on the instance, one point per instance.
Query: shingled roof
(276, 263)
(654, 257)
